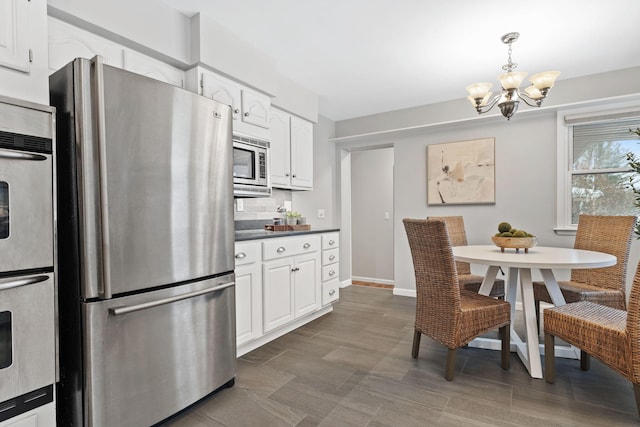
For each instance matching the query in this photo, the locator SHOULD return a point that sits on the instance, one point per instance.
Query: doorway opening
(367, 207)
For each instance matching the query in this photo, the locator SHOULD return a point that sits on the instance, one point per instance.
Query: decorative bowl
(516, 243)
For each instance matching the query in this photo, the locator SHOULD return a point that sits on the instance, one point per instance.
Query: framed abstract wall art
(461, 172)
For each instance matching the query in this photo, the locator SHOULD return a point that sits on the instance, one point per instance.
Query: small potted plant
(292, 218)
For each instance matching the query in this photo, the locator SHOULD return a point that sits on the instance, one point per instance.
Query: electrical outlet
(239, 205)
(321, 213)
(287, 205)
(387, 215)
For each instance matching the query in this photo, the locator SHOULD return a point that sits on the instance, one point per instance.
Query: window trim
(565, 120)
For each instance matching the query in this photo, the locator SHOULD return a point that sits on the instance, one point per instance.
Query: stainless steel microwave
(251, 174)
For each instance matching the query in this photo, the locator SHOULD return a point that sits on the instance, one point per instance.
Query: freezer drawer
(151, 355)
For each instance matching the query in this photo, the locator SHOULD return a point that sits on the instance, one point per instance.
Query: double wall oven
(27, 290)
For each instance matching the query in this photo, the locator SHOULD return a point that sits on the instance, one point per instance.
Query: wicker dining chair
(444, 312)
(458, 237)
(609, 334)
(606, 286)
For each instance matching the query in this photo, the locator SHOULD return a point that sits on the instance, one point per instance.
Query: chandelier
(510, 97)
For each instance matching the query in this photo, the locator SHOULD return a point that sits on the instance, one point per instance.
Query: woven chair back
(609, 234)
(437, 288)
(633, 326)
(457, 236)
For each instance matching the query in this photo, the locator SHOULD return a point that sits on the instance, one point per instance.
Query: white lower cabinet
(330, 268)
(291, 289)
(288, 293)
(248, 292)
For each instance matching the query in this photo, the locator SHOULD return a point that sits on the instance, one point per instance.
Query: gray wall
(526, 151)
(371, 199)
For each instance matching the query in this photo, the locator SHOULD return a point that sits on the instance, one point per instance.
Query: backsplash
(261, 207)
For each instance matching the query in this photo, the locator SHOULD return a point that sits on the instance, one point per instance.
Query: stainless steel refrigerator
(145, 246)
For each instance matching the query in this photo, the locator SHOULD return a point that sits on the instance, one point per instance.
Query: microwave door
(244, 171)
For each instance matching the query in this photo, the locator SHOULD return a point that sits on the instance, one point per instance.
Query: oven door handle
(16, 283)
(18, 155)
(143, 306)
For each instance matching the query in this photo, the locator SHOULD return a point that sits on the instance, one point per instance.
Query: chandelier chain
(510, 65)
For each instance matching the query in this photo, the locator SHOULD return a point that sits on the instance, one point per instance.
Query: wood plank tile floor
(353, 367)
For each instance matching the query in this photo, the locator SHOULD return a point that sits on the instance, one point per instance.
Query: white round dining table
(542, 258)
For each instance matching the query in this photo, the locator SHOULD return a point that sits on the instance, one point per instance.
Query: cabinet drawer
(246, 253)
(330, 256)
(330, 291)
(330, 272)
(290, 246)
(330, 240)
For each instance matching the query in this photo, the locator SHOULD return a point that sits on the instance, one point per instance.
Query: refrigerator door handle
(98, 89)
(16, 283)
(137, 307)
(17, 155)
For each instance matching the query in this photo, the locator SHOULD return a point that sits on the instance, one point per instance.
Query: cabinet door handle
(306, 245)
(332, 292)
(295, 269)
(332, 242)
(241, 255)
(332, 272)
(332, 257)
(281, 249)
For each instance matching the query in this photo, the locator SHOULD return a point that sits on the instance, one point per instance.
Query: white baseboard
(405, 292)
(345, 283)
(373, 280)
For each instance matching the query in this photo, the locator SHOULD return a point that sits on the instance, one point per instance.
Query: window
(593, 171)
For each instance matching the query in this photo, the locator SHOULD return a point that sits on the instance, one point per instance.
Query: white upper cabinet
(301, 153)
(67, 42)
(142, 64)
(291, 151)
(222, 90)
(251, 109)
(256, 108)
(14, 34)
(280, 149)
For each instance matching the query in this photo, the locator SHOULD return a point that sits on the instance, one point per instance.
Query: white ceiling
(368, 56)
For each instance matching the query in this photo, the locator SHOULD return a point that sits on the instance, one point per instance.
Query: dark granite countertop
(254, 230)
(242, 235)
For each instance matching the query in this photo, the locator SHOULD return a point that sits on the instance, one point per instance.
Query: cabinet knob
(306, 245)
(332, 257)
(241, 255)
(246, 114)
(293, 176)
(332, 292)
(281, 249)
(287, 174)
(332, 272)
(332, 242)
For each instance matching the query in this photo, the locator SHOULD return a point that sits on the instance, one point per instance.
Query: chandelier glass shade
(483, 100)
